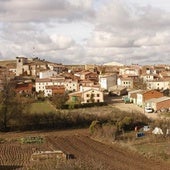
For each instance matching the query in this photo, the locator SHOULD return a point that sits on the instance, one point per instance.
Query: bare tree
(11, 104)
(59, 100)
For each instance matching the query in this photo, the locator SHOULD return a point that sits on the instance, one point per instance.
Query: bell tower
(20, 61)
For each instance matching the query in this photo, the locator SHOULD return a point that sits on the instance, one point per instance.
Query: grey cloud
(123, 33)
(142, 32)
(41, 11)
(106, 39)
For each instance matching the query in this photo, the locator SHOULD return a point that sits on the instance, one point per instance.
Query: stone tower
(20, 62)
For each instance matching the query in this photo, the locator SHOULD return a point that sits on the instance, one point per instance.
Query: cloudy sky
(86, 31)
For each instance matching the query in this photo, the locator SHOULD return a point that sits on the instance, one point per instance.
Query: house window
(87, 101)
(98, 95)
(87, 95)
(98, 100)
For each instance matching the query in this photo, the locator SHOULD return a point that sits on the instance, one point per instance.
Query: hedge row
(83, 105)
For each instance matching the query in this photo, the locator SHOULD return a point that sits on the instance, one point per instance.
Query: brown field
(7, 62)
(89, 154)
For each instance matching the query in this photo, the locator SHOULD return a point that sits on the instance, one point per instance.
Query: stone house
(132, 95)
(107, 80)
(71, 85)
(149, 77)
(146, 95)
(47, 74)
(165, 74)
(88, 96)
(40, 84)
(125, 82)
(131, 71)
(87, 75)
(24, 88)
(162, 84)
(52, 90)
(159, 103)
(29, 66)
(59, 68)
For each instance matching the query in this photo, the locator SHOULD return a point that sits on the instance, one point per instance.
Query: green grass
(42, 107)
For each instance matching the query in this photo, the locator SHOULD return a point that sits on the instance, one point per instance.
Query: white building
(71, 85)
(88, 96)
(158, 84)
(56, 67)
(140, 99)
(148, 77)
(125, 82)
(107, 81)
(86, 87)
(52, 90)
(47, 74)
(40, 84)
(92, 95)
(129, 71)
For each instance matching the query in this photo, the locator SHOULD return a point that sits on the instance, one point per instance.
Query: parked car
(148, 109)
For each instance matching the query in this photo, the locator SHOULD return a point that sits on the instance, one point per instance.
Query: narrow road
(118, 103)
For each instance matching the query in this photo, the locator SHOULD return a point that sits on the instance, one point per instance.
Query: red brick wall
(152, 94)
(164, 104)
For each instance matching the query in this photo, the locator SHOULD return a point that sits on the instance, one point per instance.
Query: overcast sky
(86, 31)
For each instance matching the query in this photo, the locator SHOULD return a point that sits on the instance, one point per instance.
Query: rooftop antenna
(33, 52)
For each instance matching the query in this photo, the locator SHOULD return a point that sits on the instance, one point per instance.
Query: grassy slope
(42, 107)
(6, 62)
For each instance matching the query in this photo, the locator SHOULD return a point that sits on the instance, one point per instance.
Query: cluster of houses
(88, 83)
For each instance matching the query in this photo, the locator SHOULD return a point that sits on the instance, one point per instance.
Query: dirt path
(118, 103)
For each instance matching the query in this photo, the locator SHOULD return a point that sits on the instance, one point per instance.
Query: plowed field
(93, 154)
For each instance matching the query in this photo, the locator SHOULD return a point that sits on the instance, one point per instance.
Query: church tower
(20, 61)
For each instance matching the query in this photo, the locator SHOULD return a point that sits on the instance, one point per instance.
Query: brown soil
(93, 154)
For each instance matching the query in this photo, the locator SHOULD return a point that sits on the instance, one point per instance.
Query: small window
(98, 95)
(87, 95)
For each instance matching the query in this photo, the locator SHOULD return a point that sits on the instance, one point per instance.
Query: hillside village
(81, 136)
(145, 86)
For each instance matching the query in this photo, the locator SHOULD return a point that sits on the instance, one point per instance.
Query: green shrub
(93, 126)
